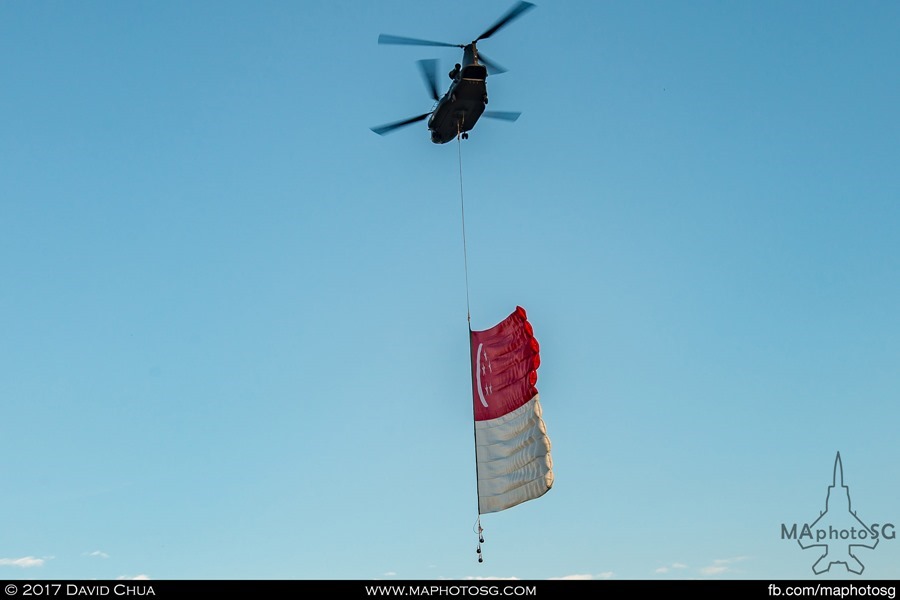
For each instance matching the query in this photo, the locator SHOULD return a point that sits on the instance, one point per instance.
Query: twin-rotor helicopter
(464, 102)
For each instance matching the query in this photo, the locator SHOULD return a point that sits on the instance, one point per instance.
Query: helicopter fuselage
(459, 109)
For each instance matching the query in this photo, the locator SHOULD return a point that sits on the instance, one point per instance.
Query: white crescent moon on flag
(478, 376)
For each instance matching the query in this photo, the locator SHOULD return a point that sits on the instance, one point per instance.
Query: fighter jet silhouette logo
(841, 527)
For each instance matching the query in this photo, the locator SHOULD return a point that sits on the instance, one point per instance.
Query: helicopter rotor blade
(505, 116)
(515, 12)
(428, 67)
(492, 67)
(406, 41)
(389, 127)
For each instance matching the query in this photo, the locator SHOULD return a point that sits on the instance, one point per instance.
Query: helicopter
(459, 109)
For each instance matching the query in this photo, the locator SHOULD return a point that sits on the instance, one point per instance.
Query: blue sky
(234, 318)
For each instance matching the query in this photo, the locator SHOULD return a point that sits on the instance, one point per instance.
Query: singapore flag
(512, 450)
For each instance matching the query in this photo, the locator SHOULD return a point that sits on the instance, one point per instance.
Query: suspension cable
(462, 207)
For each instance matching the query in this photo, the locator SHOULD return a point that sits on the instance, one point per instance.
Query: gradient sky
(234, 338)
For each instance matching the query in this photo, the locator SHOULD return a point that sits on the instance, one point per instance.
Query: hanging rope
(462, 207)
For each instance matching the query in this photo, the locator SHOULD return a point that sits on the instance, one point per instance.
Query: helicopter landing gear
(485, 98)
(465, 136)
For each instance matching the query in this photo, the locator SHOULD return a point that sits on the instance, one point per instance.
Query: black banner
(525, 589)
